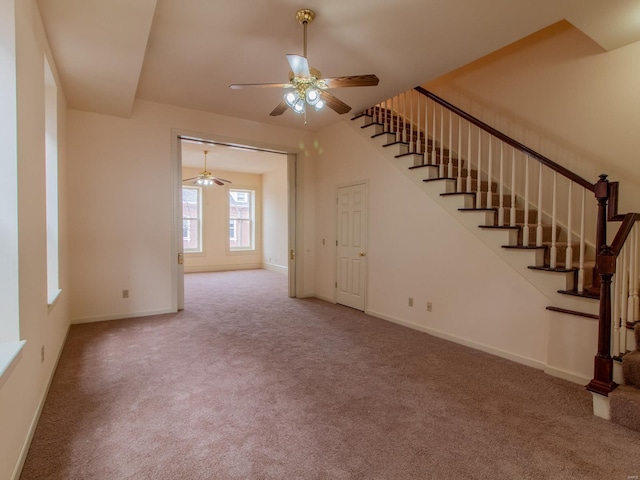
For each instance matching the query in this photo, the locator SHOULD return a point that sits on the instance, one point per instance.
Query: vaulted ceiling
(187, 52)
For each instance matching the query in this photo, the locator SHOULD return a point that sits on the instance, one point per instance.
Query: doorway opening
(243, 219)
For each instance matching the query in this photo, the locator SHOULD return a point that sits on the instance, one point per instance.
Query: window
(51, 185)
(192, 219)
(241, 219)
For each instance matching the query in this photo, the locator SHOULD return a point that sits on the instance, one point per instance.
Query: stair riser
(519, 216)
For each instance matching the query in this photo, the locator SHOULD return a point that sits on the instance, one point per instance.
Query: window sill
(53, 298)
(8, 352)
(243, 251)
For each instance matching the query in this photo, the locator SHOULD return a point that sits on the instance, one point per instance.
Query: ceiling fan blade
(299, 65)
(223, 180)
(280, 109)
(237, 86)
(217, 182)
(334, 103)
(187, 179)
(352, 81)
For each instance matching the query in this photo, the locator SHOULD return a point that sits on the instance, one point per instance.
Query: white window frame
(252, 193)
(51, 184)
(199, 248)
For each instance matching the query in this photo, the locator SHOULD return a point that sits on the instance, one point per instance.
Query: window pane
(191, 219)
(241, 219)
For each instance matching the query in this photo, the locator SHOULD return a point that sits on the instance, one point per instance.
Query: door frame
(294, 193)
(364, 182)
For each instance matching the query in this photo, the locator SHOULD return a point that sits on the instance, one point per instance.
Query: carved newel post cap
(603, 177)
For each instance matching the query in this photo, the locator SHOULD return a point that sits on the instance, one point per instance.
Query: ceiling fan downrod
(304, 17)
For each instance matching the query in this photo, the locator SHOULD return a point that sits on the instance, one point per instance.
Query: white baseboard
(566, 375)
(326, 299)
(119, 316)
(221, 268)
(36, 417)
(275, 268)
(530, 362)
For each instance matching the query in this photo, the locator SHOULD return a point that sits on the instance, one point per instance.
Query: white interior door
(352, 246)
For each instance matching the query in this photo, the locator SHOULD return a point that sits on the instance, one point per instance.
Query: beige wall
(416, 249)
(121, 203)
(561, 94)
(275, 229)
(24, 384)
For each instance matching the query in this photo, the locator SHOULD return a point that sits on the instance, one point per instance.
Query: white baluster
(411, 132)
(418, 142)
(426, 130)
(441, 169)
(582, 244)
(634, 299)
(479, 179)
(490, 175)
(554, 224)
(469, 178)
(450, 145)
(433, 136)
(512, 213)
(568, 259)
(615, 299)
(459, 182)
(404, 117)
(525, 228)
(501, 187)
(397, 121)
(624, 292)
(384, 115)
(539, 229)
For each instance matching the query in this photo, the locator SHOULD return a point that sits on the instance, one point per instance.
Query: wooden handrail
(510, 141)
(623, 232)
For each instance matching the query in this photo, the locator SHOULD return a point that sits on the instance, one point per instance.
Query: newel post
(602, 381)
(602, 195)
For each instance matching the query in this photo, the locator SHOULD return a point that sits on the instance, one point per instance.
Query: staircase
(539, 217)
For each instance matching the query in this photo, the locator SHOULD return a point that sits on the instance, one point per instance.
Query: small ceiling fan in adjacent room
(306, 85)
(206, 178)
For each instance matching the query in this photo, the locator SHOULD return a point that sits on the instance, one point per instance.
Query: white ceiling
(187, 52)
(221, 157)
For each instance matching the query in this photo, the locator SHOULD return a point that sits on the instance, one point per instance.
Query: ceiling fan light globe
(319, 104)
(291, 98)
(313, 96)
(298, 106)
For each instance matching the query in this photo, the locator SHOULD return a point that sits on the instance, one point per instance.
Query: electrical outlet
(125, 293)
(429, 306)
(411, 301)
(42, 354)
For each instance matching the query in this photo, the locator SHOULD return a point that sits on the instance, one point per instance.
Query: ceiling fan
(306, 85)
(206, 178)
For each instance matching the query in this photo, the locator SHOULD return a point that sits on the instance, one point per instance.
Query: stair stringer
(563, 328)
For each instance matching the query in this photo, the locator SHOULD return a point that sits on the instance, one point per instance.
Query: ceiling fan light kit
(307, 87)
(206, 178)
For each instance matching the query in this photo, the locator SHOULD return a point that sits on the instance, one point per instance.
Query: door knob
(362, 254)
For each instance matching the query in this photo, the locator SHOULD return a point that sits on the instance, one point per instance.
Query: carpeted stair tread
(625, 406)
(631, 362)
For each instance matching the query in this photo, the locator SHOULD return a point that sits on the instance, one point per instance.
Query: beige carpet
(249, 384)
